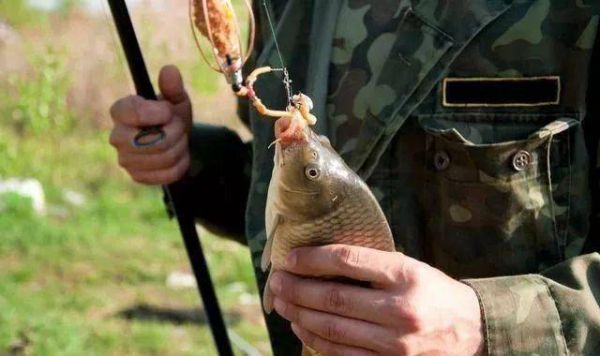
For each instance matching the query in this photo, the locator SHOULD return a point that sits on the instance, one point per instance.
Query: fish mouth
(290, 131)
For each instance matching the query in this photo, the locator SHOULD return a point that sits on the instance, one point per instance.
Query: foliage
(41, 96)
(21, 13)
(18, 13)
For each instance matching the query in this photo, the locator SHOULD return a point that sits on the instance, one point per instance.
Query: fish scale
(346, 225)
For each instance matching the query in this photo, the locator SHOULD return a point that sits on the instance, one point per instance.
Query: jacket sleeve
(218, 180)
(553, 313)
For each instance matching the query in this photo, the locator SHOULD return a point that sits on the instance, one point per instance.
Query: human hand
(167, 161)
(411, 309)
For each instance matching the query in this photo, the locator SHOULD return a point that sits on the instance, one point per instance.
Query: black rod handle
(175, 192)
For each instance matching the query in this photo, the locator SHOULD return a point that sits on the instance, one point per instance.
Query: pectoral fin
(265, 259)
(307, 351)
(268, 295)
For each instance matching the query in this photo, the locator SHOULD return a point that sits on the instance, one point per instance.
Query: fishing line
(115, 42)
(286, 76)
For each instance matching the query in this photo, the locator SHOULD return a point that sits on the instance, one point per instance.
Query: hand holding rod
(175, 193)
(151, 135)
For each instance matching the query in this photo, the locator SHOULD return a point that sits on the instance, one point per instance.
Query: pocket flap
(475, 152)
(554, 128)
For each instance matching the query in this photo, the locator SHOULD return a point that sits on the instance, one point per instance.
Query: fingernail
(291, 260)
(276, 283)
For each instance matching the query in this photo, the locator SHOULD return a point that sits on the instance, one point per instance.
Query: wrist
(476, 319)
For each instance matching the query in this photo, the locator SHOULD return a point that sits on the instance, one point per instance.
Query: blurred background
(89, 262)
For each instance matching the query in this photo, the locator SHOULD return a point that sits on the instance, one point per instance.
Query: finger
(121, 135)
(337, 329)
(171, 86)
(359, 263)
(122, 138)
(124, 110)
(135, 111)
(325, 347)
(334, 298)
(158, 161)
(163, 176)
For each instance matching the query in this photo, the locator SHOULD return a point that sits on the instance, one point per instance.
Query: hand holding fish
(411, 309)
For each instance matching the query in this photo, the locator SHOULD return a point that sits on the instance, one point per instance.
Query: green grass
(65, 277)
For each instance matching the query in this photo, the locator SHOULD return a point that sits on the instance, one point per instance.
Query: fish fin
(307, 351)
(265, 259)
(268, 295)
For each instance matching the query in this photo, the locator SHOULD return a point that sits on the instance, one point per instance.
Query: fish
(315, 199)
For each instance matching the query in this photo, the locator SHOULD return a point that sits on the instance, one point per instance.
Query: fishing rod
(175, 193)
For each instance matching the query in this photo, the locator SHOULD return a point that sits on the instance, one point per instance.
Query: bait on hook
(216, 20)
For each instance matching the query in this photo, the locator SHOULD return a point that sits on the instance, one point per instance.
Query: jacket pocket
(501, 191)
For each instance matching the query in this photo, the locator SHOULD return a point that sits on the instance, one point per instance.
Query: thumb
(172, 90)
(171, 85)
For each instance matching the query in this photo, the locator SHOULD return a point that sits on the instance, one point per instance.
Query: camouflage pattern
(499, 197)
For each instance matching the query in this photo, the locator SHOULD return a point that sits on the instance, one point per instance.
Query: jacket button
(521, 160)
(441, 160)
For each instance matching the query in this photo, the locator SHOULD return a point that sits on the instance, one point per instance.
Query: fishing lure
(216, 20)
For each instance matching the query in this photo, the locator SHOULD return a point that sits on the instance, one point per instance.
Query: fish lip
(297, 132)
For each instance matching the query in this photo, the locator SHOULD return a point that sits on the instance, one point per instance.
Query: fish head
(309, 177)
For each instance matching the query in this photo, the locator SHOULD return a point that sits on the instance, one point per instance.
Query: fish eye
(312, 172)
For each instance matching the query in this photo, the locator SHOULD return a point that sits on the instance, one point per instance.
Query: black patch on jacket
(501, 92)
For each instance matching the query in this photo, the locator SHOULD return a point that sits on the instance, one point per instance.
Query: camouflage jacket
(475, 124)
